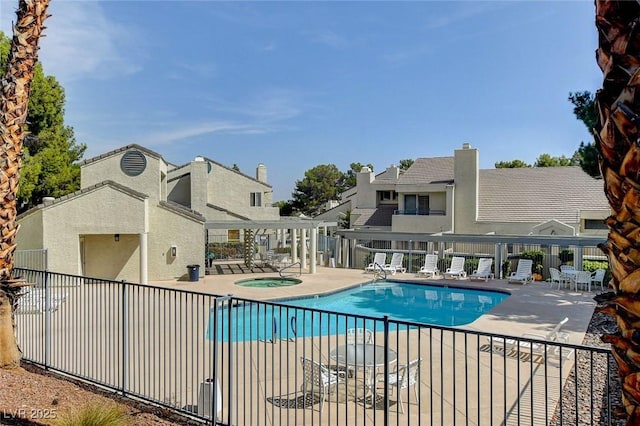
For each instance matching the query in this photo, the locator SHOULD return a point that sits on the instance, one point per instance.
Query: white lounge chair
(484, 269)
(396, 264)
(522, 274)
(524, 345)
(379, 260)
(456, 270)
(430, 267)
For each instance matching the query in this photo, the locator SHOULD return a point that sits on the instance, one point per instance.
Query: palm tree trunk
(618, 142)
(14, 98)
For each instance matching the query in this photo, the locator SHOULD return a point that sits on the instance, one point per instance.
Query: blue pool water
(436, 305)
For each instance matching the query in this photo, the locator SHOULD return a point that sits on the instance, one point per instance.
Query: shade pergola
(292, 223)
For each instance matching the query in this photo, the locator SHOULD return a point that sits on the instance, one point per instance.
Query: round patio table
(360, 355)
(367, 356)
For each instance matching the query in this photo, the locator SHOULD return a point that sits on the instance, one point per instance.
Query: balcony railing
(428, 212)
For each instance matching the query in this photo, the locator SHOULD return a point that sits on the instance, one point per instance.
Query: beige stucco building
(139, 218)
(453, 195)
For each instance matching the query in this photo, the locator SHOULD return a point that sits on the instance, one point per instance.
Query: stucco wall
(230, 190)
(179, 190)
(466, 162)
(108, 168)
(104, 211)
(110, 259)
(187, 234)
(366, 196)
(30, 233)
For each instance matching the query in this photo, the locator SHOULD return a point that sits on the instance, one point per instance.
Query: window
(387, 195)
(416, 204)
(594, 224)
(255, 199)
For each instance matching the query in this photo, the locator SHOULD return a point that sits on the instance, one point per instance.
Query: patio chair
(430, 267)
(318, 379)
(404, 377)
(359, 336)
(557, 278)
(597, 277)
(379, 260)
(582, 279)
(522, 274)
(535, 348)
(484, 269)
(456, 270)
(396, 264)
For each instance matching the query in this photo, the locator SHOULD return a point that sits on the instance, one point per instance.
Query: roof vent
(466, 145)
(133, 163)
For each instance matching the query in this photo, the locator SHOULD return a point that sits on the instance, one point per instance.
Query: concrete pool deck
(533, 308)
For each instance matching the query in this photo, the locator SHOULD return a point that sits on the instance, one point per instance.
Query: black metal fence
(235, 361)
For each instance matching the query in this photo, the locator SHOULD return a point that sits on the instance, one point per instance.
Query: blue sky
(300, 83)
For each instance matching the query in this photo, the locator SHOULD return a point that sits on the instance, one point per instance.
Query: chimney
(466, 180)
(261, 173)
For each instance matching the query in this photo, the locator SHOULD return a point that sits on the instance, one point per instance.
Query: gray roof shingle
(538, 194)
(428, 170)
(380, 216)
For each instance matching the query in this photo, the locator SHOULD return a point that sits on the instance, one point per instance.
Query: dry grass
(31, 396)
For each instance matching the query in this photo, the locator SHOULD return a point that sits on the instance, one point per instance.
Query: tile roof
(428, 170)
(380, 216)
(538, 194)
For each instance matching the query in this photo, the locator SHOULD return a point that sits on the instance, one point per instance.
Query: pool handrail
(281, 270)
(379, 272)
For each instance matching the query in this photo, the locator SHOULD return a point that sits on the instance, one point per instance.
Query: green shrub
(536, 256)
(565, 256)
(95, 415)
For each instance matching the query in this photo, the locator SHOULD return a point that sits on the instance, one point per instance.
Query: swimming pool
(426, 304)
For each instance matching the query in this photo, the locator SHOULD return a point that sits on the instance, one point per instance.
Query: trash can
(194, 272)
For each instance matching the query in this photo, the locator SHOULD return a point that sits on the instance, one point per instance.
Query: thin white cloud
(80, 41)
(270, 106)
(462, 11)
(262, 114)
(195, 130)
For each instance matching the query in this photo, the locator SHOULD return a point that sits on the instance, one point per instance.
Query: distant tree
(589, 159)
(585, 110)
(513, 164)
(406, 163)
(285, 207)
(349, 179)
(546, 160)
(320, 184)
(235, 167)
(50, 152)
(344, 222)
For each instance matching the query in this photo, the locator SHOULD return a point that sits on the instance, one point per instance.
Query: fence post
(230, 357)
(47, 320)
(124, 338)
(386, 372)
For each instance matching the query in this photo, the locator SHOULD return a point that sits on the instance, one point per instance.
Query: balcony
(415, 212)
